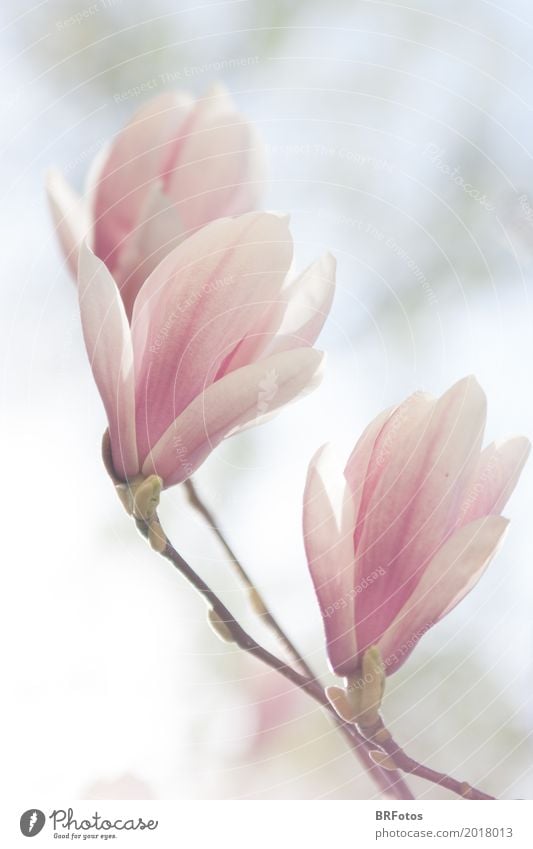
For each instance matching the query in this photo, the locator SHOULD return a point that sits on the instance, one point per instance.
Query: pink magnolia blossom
(400, 536)
(176, 166)
(218, 341)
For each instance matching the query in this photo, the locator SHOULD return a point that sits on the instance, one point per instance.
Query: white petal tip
(330, 259)
(217, 89)
(51, 175)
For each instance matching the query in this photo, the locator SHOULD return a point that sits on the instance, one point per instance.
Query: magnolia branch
(355, 710)
(359, 703)
(257, 601)
(141, 500)
(396, 758)
(228, 628)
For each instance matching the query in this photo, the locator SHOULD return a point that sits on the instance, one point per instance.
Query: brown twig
(383, 764)
(398, 759)
(256, 598)
(390, 783)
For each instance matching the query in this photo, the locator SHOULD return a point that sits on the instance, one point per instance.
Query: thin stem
(258, 601)
(381, 736)
(389, 782)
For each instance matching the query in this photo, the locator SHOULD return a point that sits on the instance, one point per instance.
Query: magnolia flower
(176, 166)
(217, 341)
(400, 536)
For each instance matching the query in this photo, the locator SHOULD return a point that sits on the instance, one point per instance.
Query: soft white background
(112, 683)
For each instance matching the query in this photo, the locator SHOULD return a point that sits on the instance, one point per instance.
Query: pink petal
(195, 309)
(135, 159)
(237, 399)
(108, 342)
(452, 573)
(416, 501)
(494, 478)
(70, 217)
(158, 232)
(265, 412)
(250, 190)
(308, 301)
(373, 451)
(260, 339)
(215, 103)
(212, 167)
(94, 175)
(216, 166)
(217, 99)
(294, 320)
(219, 102)
(328, 520)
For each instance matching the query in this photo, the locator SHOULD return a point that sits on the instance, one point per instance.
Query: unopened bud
(383, 760)
(369, 688)
(257, 602)
(341, 703)
(156, 536)
(140, 496)
(219, 626)
(360, 701)
(146, 497)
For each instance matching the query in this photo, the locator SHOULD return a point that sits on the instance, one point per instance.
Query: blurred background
(400, 137)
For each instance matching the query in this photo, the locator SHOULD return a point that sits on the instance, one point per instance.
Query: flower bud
(219, 626)
(156, 536)
(361, 700)
(256, 602)
(341, 703)
(383, 760)
(146, 497)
